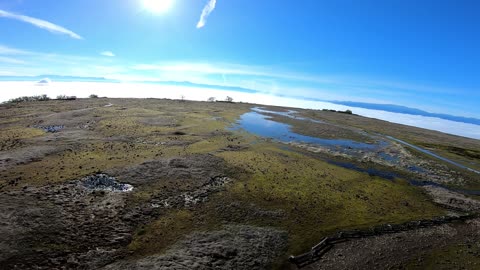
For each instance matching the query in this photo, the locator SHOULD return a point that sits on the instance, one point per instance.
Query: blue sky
(421, 54)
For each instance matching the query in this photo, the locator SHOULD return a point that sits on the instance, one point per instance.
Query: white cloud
(268, 79)
(40, 23)
(279, 79)
(4, 50)
(229, 69)
(206, 12)
(107, 53)
(9, 60)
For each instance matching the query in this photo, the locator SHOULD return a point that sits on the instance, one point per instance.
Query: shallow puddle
(256, 122)
(290, 114)
(51, 129)
(259, 124)
(392, 176)
(370, 171)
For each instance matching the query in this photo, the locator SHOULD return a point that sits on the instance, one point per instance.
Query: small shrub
(64, 97)
(28, 99)
(93, 96)
(346, 112)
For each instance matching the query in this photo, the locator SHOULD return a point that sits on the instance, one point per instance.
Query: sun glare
(158, 6)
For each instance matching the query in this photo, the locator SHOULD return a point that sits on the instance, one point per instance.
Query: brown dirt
(396, 251)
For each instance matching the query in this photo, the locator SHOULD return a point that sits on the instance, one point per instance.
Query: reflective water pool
(262, 125)
(256, 122)
(290, 114)
(391, 176)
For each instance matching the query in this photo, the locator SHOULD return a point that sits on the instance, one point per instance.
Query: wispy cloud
(4, 50)
(206, 12)
(266, 79)
(107, 53)
(37, 63)
(9, 60)
(222, 69)
(40, 23)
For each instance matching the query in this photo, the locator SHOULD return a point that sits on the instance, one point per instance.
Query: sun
(158, 6)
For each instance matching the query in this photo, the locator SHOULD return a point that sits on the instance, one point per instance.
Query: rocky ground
(63, 226)
(87, 222)
(419, 248)
(411, 250)
(161, 184)
(232, 247)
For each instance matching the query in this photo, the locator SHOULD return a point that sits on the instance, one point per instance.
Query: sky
(421, 54)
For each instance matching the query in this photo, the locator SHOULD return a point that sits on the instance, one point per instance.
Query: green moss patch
(12, 137)
(318, 198)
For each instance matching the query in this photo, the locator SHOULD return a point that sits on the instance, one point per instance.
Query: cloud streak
(53, 28)
(9, 60)
(12, 51)
(268, 79)
(107, 53)
(206, 12)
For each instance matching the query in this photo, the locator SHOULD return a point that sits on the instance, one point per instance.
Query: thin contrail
(57, 29)
(206, 12)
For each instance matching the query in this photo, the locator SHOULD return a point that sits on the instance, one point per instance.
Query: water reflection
(256, 122)
(261, 125)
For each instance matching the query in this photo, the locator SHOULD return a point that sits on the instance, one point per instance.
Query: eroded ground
(207, 195)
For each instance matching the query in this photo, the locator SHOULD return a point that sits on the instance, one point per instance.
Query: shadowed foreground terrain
(163, 184)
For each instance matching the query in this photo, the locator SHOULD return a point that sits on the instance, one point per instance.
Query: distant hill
(407, 110)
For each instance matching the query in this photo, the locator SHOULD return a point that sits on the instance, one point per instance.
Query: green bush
(29, 99)
(64, 97)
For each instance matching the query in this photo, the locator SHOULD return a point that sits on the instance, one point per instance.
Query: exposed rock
(233, 247)
(51, 129)
(104, 182)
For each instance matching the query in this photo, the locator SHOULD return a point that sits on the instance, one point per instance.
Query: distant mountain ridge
(407, 110)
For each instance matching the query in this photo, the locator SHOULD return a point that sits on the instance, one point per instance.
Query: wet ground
(384, 149)
(162, 184)
(392, 251)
